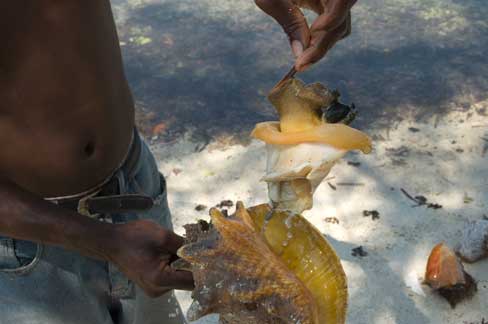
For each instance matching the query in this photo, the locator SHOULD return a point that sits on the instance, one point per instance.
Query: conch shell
(251, 268)
(302, 147)
(445, 274)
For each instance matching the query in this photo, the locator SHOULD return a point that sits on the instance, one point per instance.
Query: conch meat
(251, 268)
(302, 147)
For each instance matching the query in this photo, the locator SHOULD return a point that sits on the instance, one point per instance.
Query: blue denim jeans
(42, 284)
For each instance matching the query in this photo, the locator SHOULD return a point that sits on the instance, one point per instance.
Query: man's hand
(310, 43)
(144, 250)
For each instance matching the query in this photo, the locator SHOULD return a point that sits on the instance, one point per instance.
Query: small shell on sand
(445, 274)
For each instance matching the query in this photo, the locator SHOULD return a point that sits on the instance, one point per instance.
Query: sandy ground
(445, 160)
(205, 64)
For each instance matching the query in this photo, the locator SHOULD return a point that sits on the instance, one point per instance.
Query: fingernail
(297, 48)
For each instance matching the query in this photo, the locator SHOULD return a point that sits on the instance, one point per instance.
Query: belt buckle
(83, 205)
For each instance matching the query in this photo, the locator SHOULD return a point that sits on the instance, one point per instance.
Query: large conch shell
(302, 147)
(251, 268)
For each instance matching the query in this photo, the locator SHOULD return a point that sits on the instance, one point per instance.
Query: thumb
(171, 241)
(321, 43)
(291, 19)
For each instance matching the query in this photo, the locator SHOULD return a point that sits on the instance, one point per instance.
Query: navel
(89, 148)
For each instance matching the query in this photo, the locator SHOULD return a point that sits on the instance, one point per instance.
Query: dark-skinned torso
(66, 112)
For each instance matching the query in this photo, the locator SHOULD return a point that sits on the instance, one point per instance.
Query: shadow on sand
(209, 74)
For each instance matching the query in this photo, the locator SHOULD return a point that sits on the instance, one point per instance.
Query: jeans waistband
(107, 197)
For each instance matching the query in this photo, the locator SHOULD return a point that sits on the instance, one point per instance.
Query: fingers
(348, 26)
(291, 19)
(321, 42)
(179, 279)
(168, 279)
(334, 17)
(311, 44)
(171, 241)
(165, 279)
(330, 27)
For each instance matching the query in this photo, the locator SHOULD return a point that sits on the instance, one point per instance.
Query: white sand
(385, 286)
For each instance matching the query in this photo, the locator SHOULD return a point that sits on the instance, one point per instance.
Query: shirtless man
(83, 211)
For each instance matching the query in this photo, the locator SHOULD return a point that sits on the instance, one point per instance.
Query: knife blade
(287, 77)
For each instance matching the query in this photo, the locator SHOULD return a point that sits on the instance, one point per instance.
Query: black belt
(108, 199)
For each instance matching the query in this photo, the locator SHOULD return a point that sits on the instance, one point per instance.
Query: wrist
(111, 245)
(108, 242)
(93, 238)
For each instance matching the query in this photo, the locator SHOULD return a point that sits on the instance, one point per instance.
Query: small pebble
(225, 203)
(354, 164)
(373, 213)
(359, 252)
(200, 207)
(332, 220)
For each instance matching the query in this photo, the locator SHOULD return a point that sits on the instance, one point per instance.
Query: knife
(287, 77)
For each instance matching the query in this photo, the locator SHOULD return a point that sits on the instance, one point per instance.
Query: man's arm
(141, 249)
(28, 217)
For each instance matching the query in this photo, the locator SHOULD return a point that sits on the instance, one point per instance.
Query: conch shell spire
(302, 147)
